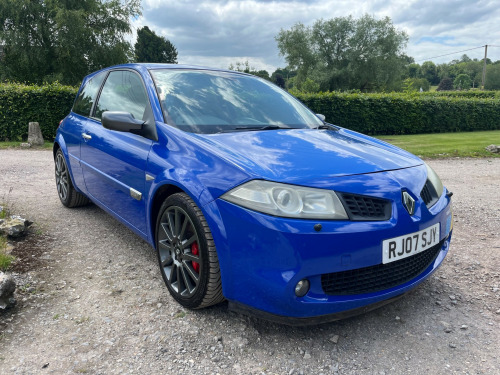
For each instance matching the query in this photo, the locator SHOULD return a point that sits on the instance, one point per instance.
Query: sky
(220, 33)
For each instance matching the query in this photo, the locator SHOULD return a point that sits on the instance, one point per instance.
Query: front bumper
(263, 258)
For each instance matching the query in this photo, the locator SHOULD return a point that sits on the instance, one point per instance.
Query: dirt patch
(30, 251)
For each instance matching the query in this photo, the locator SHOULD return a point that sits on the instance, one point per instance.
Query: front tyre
(186, 253)
(67, 193)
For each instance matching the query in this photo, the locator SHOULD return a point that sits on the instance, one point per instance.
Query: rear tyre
(186, 253)
(67, 193)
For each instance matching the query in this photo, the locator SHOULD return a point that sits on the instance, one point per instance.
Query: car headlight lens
(435, 180)
(287, 200)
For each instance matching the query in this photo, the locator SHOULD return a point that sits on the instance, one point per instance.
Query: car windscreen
(203, 101)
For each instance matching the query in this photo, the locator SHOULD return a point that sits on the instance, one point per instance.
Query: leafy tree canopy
(64, 40)
(428, 70)
(493, 76)
(462, 82)
(153, 48)
(346, 53)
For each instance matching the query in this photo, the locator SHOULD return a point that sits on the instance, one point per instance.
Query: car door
(113, 162)
(75, 124)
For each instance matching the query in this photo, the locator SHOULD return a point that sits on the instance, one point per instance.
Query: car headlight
(435, 180)
(287, 200)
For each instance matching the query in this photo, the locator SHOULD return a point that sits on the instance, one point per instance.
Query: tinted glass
(84, 101)
(208, 102)
(123, 91)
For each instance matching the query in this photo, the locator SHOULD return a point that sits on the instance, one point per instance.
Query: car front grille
(429, 195)
(382, 276)
(362, 208)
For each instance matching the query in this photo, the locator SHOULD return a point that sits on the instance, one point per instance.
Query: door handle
(86, 136)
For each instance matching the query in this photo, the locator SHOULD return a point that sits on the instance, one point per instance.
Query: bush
(398, 113)
(445, 84)
(21, 104)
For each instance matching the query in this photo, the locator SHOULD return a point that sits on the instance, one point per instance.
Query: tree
(415, 84)
(246, 68)
(309, 86)
(429, 72)
(462, 82)
(492, 77)
(278, 80)
(413, 70)
(153, 48)
(445, 84)
(346, 53)
(47, 40)
(281, 76)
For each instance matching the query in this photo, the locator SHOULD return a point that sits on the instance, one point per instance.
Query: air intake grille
(428, 194)
(379, 277)
(361, 208)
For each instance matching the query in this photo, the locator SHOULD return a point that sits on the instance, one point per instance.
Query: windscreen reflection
(203, 101)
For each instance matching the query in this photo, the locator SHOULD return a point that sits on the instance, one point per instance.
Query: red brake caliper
(195, 250)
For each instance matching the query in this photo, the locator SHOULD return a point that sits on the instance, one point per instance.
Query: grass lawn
(444, 145)
(4, 145)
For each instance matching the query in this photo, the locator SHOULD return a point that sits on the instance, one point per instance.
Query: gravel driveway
(95, 302)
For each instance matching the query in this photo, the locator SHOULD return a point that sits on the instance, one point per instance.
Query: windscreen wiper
(266, 127)
(327, 126)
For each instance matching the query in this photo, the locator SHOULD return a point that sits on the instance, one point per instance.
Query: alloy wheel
(179, 251)
(61, 177)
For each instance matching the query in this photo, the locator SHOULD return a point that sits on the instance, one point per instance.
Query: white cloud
(218, 33)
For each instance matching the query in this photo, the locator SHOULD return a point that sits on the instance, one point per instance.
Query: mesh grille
(360, 207)
(379, 277)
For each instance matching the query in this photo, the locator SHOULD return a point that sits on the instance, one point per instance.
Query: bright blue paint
(261, 257)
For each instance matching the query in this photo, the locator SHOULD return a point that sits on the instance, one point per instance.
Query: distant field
(444, 145)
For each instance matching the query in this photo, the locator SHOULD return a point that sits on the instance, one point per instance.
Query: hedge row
(464, 94)
(404, 114)
(21, 104)
(393, 113)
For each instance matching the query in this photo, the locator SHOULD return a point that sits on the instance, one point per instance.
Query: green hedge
(394, 113)
(464, 94)
(398, 113)
(21, 104)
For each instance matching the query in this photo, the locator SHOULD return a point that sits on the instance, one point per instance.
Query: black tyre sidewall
(69, 194)
(183, 201)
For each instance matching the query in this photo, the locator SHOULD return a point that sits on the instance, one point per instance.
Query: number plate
(410, 244)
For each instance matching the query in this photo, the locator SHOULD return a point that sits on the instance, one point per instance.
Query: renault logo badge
(409, 203)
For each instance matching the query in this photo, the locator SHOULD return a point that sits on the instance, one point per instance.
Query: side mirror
(121, 121)
(321, 117)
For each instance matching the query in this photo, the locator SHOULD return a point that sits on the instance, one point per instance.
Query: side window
(84, 101)
(124, 91)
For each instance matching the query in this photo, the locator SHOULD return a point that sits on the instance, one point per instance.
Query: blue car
(248, 196)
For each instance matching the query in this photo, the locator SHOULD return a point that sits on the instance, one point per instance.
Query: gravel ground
(95, 302)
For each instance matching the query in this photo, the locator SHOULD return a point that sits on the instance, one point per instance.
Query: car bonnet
(306, 156)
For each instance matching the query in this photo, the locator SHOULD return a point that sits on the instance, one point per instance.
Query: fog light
(302, 288)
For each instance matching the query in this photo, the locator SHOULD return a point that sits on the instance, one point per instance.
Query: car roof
(154, 66)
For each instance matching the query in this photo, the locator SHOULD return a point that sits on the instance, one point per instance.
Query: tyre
(67, 193)
(186, 253)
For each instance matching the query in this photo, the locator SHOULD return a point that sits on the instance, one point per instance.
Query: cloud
(218, 33)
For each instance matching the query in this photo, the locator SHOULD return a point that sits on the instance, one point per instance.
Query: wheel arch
(161, 193)
(55, 148)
